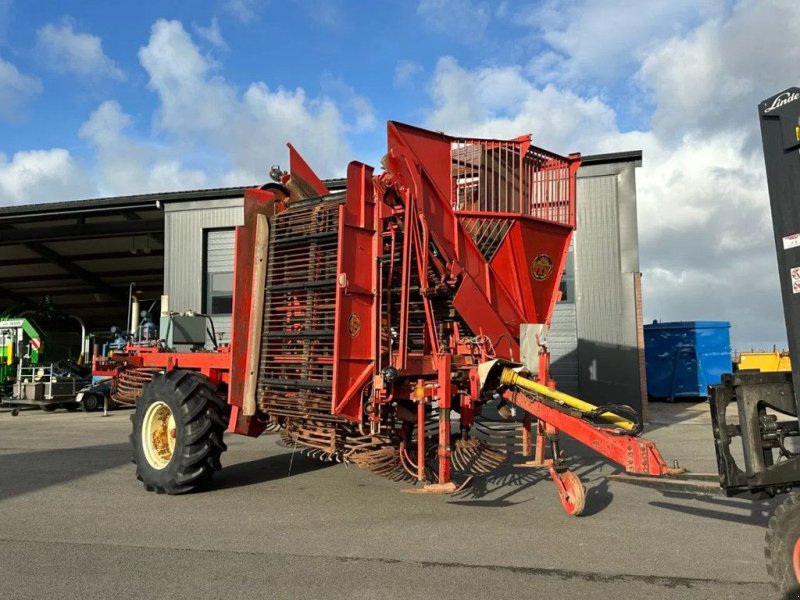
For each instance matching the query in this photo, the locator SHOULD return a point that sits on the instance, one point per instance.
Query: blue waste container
(684, 357)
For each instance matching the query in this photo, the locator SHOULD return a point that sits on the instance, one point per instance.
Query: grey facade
(198, 240)
(595, 339)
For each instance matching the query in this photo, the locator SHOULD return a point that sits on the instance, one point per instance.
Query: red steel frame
(434, 192)
(216, 366)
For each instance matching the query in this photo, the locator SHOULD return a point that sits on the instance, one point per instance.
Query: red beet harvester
(380, 325)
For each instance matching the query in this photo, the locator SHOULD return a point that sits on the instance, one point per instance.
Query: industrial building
(83, 255)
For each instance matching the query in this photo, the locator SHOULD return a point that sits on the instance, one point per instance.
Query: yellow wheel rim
(158, 435)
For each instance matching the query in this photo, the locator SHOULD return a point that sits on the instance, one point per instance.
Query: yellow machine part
(765, 361)
(510, 377)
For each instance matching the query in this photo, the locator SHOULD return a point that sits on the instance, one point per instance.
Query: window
(218, 281)
(219, 299)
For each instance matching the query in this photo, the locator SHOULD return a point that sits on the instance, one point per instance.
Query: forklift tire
(71, 406)
(177, 432)
(90, 402)
(782, 547)
(48, 407)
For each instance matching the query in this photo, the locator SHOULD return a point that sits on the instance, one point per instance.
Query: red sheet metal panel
(256, 202)
(355, 337)
(535, 251)
(304, 176)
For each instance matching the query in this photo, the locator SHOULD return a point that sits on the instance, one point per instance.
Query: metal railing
(497, 178)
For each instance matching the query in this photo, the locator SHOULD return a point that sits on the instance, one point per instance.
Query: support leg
(420, 441)
(444, 394)
(541, 443)
(527, 442)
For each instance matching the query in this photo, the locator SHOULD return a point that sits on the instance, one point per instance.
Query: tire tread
(778, 556)
(204, 422)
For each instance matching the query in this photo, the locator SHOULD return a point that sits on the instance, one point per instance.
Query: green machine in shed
(15, 336)
(41, 353)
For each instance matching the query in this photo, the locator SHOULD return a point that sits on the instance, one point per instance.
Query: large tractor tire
(177, 432)
(782, 547)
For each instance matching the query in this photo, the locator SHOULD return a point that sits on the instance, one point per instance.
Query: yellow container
(765, 361)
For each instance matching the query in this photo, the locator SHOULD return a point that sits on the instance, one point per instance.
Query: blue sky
(110, 98)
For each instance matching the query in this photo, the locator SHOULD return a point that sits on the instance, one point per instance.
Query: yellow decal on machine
(541, 267)
(353, 325)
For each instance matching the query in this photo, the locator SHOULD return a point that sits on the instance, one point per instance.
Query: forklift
(761, 410)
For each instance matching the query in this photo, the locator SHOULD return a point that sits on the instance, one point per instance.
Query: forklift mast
(780, 134)
(766, 404)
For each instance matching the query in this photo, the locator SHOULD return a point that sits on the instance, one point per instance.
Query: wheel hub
(159, 435)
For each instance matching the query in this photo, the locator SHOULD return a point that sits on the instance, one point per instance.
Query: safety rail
(512, 178)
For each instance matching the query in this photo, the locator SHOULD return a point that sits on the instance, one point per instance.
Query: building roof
(611, 157)
(116, 203)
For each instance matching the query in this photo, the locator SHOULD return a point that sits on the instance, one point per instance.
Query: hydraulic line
(513, 379)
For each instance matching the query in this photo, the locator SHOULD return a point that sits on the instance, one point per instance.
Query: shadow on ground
(756, 512)
(27, 472)
(500, 488)
(262, 470)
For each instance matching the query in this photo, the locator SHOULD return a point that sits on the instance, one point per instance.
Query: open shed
(81, 256)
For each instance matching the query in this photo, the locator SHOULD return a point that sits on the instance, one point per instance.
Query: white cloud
(358, 108)
(193, 99)
(705, 228)
(502, 102)
(124, 165)
(705, 234)
(465, 20)
(211, 34)
(243, 10)
(406, 72)
(41, 176)
(273, 117)
(249, 129)
(713, 77)
(63, 49)
(207, 132)
(15, 88)
(705, 222)
(601, 41)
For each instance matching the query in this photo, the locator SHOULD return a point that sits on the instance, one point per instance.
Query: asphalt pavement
(75, 523)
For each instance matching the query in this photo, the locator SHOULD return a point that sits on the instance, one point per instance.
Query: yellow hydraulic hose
(511, 378)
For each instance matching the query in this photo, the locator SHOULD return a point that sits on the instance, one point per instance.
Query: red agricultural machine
(377, 326)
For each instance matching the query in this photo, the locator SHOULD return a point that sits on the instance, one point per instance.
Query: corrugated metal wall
(608, 356)
(594, 337)
(185, 224)
(597, 264)
(563, 336)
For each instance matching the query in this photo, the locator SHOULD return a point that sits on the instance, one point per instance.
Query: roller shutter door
(219, 280)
